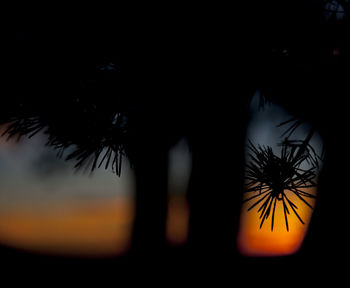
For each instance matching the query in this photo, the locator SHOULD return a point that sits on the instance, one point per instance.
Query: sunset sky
(253, 241)
(46, 207)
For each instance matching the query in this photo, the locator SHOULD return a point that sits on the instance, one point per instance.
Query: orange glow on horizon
(91, 229)
(253, 241)
(177, 220)
(97, 228)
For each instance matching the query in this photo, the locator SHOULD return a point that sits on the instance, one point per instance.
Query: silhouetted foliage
(182, 67)
(269, 175)
(74, 96)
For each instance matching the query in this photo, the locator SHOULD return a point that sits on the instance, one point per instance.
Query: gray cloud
(263, 128)
(31, 174)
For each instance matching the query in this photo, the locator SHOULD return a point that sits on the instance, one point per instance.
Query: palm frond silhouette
(269, 175)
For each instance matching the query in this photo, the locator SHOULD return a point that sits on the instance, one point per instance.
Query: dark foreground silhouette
(137, 85)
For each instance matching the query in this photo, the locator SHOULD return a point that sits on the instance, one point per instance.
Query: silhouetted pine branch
(294, 124)
(269, 175)
(88, 118)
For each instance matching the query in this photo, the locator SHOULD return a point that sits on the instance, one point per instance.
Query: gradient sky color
(47, 207)
(253, 241)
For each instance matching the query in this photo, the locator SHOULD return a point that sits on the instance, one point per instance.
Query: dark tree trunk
(150, 157)
(327, 239)
(215, 192)
(151, 203)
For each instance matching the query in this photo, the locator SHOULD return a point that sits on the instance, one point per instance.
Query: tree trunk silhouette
(217, 144)
(151, 201)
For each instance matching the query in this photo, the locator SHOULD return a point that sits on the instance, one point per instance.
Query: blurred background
(264, 129)
(48, 207)
(51, 214)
